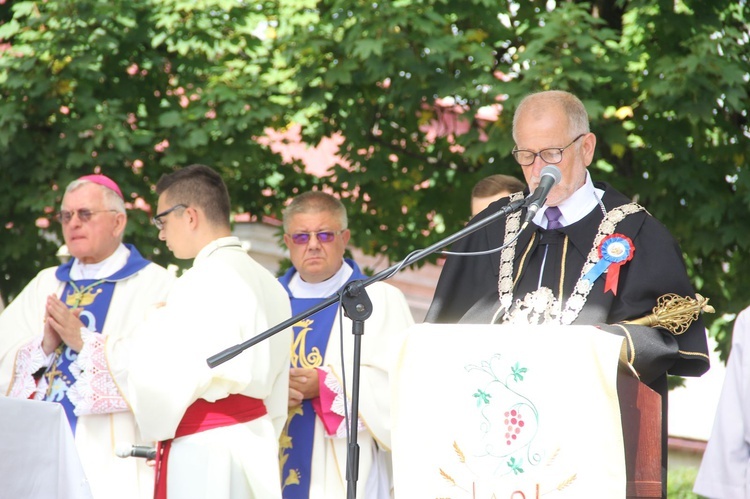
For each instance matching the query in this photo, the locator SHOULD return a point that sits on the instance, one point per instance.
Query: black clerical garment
(467, 291)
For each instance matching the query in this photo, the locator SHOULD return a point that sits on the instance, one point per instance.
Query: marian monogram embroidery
(299, 355)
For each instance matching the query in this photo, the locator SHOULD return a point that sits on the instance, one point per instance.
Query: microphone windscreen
(123, 450)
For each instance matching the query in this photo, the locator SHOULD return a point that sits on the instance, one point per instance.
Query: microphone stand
(358, 307)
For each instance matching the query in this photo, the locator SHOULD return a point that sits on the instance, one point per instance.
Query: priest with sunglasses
(313, 451)
(589, 256)
(53, 327)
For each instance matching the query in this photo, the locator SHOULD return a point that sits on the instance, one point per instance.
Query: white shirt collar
(221, 242)
(302, 289)
(577, 206)
(100, 270)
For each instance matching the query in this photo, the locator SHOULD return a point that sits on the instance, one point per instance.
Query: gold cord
(523, 259)
(562, 270)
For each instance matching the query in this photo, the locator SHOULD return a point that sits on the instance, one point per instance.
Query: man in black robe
(607, 262)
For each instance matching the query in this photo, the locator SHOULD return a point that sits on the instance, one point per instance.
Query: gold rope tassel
(675, 313)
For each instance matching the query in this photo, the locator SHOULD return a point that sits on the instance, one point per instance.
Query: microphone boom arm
(231, 352)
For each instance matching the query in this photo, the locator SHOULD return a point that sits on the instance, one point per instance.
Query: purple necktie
(552, 214)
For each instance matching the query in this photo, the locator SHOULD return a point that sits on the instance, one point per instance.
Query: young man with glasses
(553, 260)
(218, 429)
(314, 446)
(51, 334)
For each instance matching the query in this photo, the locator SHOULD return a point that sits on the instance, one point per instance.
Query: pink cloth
(322, 405)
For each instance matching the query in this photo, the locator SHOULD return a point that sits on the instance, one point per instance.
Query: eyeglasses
(84, 215)
(157, 219)
(552, 155)
(325, 236)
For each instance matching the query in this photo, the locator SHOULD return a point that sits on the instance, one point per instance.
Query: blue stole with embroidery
(93, 297)
(308, 351)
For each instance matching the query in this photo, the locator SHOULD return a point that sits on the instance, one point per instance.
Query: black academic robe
(468, 287)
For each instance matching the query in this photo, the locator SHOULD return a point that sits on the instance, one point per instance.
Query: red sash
(202, 416)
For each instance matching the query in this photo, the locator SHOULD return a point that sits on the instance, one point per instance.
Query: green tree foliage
(89, 84)
(132, 89)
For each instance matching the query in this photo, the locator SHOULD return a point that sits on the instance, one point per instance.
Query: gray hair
(572, 107)
(315, 202)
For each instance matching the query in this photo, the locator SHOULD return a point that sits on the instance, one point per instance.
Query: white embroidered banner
(486, 411)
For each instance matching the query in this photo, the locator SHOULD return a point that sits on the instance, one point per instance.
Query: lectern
(640, 407)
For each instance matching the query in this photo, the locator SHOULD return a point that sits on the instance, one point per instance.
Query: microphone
(125, 450)
(550, 177)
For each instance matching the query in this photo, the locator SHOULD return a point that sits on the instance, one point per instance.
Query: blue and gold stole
(308, 351)
(93, 297)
